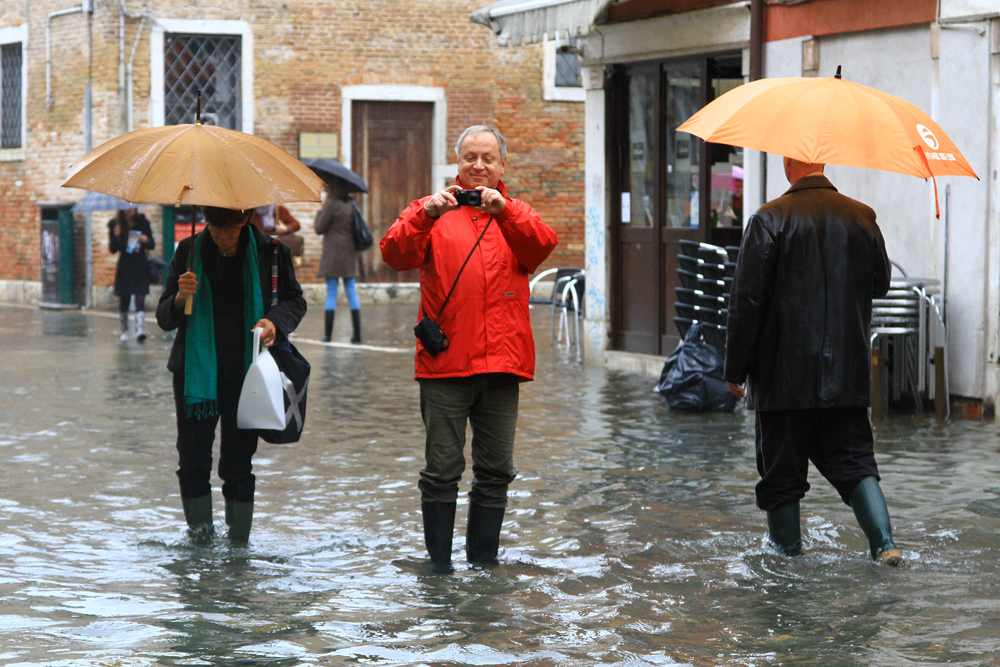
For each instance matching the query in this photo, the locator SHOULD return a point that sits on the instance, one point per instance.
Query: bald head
(794, 169)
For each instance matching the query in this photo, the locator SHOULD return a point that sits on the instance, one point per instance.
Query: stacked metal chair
(907, 324)
(706, 273)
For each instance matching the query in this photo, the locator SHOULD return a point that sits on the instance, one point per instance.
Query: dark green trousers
(489, 403)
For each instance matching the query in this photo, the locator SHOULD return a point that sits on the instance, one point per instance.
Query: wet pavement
(631, 536)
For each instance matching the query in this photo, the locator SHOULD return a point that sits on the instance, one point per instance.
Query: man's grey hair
(477, 129)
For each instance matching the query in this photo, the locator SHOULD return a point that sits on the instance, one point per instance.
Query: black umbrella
(329, 170)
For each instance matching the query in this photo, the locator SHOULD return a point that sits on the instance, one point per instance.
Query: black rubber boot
(482, 538)
(783, 527)
(328, 325)
(869, 507)
(356, 321)
(239, 516)
(198, 515)
(439, 525)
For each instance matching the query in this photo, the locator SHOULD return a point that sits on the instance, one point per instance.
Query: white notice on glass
(626, 208)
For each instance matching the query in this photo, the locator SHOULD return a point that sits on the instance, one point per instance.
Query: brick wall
(304, 52)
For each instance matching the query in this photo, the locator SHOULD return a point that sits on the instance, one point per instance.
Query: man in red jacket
(491, 350)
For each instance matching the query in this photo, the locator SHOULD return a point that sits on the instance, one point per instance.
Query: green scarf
(200, 381)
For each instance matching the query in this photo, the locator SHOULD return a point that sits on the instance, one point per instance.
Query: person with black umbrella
(339, 259)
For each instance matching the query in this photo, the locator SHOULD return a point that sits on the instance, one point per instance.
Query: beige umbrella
(195, 164)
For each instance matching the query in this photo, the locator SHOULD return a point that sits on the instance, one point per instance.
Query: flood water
(631, 537)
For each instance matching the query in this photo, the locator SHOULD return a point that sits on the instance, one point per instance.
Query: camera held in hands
(469, 197)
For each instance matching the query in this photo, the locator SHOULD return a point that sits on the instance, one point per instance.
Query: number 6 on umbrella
(826, 120)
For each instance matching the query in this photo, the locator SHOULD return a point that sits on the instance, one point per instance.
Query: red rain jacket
(486, 319)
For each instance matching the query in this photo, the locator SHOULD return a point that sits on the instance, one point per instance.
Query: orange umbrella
(195, 164)
(827, 120)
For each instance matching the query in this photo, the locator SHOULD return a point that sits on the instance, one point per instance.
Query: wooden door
(391, 150)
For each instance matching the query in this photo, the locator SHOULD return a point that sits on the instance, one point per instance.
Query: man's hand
(267, 336)
(493, 201)
(441, 202)
(187, 285)
(736, 390)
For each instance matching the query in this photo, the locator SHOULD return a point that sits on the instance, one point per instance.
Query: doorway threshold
(634, 362)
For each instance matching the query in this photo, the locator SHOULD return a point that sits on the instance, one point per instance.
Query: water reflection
(631, 538)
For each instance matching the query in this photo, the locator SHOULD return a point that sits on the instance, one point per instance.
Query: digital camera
(469, 197)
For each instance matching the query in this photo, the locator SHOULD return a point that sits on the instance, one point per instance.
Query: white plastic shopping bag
(262, 400)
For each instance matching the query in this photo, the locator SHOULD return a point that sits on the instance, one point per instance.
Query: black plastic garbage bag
(692, 376)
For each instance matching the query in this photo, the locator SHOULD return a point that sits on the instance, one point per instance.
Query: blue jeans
(349, 289)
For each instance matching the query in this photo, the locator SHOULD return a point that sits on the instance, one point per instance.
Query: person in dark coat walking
(799, 334)
(130, 235)
(339, 259)
(230, 282)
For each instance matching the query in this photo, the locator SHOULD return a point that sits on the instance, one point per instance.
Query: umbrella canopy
(330, 169)
(827, 120)
(195, 164)
(95, 201)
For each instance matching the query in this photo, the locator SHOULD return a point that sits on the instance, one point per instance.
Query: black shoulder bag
(427, 330)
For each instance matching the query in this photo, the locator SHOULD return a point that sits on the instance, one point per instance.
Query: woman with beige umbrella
(218, 288)
(230, 282)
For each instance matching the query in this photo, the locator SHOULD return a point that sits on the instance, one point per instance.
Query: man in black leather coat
(799, 336)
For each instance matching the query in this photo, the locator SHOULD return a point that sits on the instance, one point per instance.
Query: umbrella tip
(837, 75)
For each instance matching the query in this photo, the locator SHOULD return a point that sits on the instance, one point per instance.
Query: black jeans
(194, 445)
(124, 301)
(838, 441)
(489, 402)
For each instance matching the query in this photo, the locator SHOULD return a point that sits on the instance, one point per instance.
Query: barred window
(210, 63)
(10, 94)
(568, 69)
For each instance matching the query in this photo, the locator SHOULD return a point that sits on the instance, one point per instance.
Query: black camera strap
(462, 269)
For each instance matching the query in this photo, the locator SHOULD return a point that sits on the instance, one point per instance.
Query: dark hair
(223, 217)
(122, 217)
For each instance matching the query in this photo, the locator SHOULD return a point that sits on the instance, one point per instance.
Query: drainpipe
(125, 70)
(128, 70)
(757, 8)
(85, 6)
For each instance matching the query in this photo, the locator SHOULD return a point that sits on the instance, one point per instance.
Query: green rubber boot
(198, 515)
(783, 528)
(869, 507)
(439, 526)
(239, 516)
(482, 538)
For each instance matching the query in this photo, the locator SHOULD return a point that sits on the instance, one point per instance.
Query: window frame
(18, 34)
(550, 91)
(242, 29)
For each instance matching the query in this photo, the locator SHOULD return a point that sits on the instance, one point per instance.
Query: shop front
(665, 187)
(647, 66)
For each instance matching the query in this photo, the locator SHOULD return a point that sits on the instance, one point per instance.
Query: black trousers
(489, 402)
(194, 445)
(124, 301)
(838, 441)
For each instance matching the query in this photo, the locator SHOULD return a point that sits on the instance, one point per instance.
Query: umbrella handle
(189, 304)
